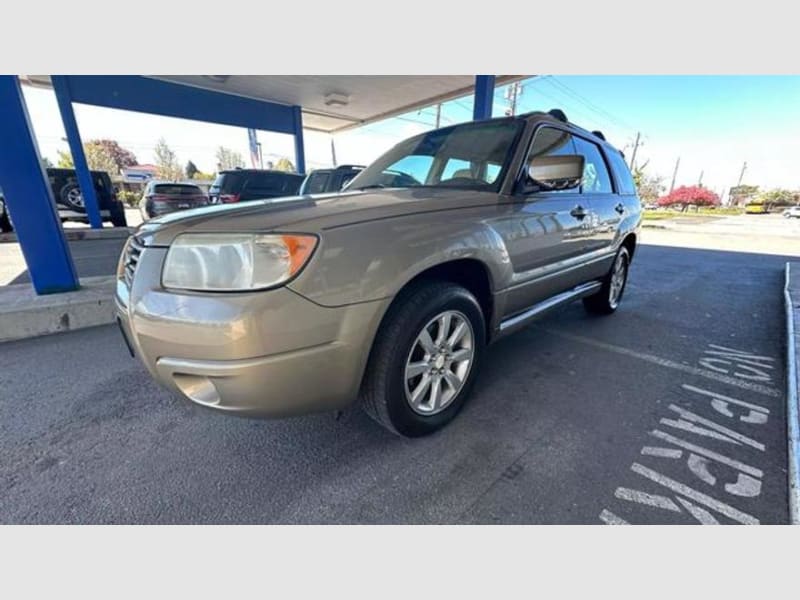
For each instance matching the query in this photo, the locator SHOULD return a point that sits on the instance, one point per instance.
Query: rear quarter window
(621, 172)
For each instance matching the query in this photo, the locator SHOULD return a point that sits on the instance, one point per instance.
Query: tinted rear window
(228, 183)
(626, 183)
(177, 190)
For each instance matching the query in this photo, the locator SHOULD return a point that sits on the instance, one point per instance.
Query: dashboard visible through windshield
(471, 155)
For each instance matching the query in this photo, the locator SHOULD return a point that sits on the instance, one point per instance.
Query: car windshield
(472, 155)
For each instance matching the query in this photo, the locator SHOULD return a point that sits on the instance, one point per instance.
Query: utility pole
(635, 148)
(674, 175)
(700, 180)
(333, 152)
(741, 175)
(513, 92)
(438, 115)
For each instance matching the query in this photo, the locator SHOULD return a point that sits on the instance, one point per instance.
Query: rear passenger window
(624, 178)
(596, 179)
(317, 183)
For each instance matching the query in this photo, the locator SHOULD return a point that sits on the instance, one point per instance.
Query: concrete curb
(792, 301)
(23, 314)
(72, 235)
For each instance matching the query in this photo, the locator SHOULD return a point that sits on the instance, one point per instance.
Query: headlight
(235, 262)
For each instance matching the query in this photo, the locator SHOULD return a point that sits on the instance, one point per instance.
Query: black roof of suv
(240, 185)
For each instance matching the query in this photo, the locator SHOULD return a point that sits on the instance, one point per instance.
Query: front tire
(606, 301)
(425, 359)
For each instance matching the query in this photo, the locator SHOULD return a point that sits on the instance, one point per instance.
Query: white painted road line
(646, 499)
(733, 436)
(732, 463)
(662, 452)
(685, 490)
(610, 518)
(758, 414)
(670, 364)
(701, 514)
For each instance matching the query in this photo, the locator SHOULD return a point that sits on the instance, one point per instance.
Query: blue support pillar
(484, 95)
(29, 198)
(64, 98)
(299, 149)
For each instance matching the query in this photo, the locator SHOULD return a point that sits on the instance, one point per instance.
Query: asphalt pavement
(670, 411)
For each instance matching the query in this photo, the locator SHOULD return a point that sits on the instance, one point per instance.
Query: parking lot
(670, 411)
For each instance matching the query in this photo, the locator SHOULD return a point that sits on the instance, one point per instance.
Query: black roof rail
(557, 113)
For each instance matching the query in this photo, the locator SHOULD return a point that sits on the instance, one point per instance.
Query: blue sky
(714, 123)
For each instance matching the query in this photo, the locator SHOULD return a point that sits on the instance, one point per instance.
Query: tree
(46, 163)
(167, 162)
(228, 159)
(121, 157)
(64, 160)
(650, 187)
(688, 195)
(191, 170)
(101, 155)
(778, 197)
(284, 164)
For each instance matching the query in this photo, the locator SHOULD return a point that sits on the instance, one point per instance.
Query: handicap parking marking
(692, 444)
(715, 375)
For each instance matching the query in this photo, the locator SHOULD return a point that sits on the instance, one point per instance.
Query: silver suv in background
(390, 291)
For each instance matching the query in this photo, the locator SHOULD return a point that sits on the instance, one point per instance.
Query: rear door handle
(578, 212)
(620, 208)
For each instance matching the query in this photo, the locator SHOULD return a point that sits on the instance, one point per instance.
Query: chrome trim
(585, 289)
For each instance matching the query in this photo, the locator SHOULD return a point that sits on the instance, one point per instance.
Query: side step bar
(518, 321)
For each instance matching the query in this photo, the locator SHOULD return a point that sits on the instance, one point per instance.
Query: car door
(598, 191)
(545, 232)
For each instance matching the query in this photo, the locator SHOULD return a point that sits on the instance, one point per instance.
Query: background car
(241, 185)
(69, 199)
(5, 220)
(161, 198)
(792, 211)
(322, 181)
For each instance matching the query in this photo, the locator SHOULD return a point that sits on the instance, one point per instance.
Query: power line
(588, 103)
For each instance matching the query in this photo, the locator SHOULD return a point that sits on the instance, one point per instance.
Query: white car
(792, 211)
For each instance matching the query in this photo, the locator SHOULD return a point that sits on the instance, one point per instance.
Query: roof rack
(599, 134)
(557, 113)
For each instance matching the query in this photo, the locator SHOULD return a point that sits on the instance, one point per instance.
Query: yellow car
(756, 208)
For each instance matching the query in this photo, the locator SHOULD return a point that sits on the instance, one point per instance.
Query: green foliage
(46, 163)
(129, 198)
(64, 160)
(778, 197)
(284, 164)
(228, 159)
(167, 162)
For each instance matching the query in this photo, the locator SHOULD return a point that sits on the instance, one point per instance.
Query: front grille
(132, 254)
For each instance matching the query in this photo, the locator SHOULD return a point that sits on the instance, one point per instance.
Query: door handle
(578, 212)
(620, 208)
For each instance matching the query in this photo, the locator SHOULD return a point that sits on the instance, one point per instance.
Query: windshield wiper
(371, 186)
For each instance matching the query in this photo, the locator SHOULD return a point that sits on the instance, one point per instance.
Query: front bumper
(267, 354)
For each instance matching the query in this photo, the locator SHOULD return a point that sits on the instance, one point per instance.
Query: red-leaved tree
(686, 195)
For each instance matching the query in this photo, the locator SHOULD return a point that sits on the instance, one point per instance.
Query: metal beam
(484, 95)
(64, 99)
(30, 201)
(153, 96)
(299, 148)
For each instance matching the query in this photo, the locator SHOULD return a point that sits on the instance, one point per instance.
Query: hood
(308, 214)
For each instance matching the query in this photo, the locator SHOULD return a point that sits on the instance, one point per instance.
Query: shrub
(687, 195)
(129, 198)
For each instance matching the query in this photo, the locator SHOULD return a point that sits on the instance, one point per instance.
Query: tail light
(228, 198)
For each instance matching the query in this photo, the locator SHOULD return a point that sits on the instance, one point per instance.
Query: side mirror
(558, 172)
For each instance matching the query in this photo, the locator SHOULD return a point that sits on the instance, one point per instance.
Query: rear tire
(413, 392)
(5, 224)
(606, 301)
